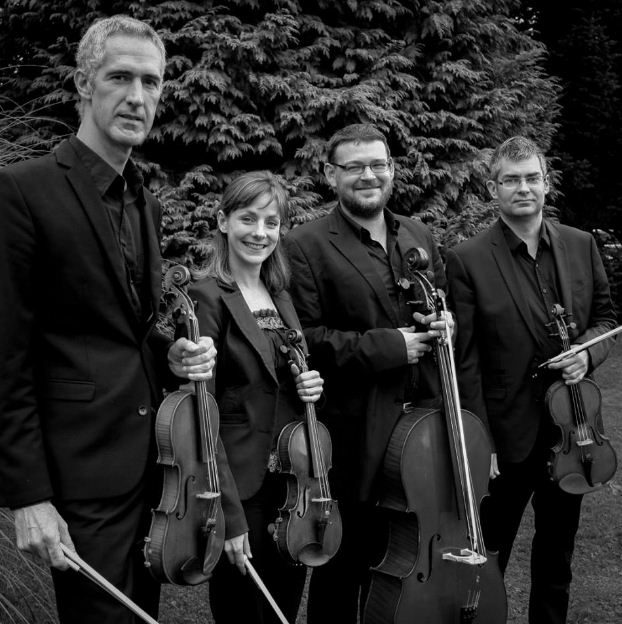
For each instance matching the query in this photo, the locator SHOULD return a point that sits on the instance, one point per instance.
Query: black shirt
(423, 380)
(540, 285)
(124, 200)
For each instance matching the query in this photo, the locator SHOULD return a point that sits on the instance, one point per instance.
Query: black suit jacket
(350, 327)
(496, 343)
(78, 367)
(246, 387)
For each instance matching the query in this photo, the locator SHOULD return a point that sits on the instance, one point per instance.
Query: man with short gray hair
(82, 365)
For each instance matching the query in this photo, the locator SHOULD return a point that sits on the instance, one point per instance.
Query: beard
(367, 209)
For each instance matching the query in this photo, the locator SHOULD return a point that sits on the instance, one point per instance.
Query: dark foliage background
(253, 84)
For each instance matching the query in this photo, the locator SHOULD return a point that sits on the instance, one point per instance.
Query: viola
(187, 531)
(582, 459)
(308, 528)
(436, 568)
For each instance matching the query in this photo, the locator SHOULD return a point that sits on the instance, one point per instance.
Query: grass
(25, 585)
(596, 591)
(596, 594)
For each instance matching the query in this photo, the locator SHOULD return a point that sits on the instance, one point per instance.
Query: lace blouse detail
(275, 332)
(268, 318)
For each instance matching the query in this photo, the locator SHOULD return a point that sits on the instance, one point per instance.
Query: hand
(309, 385)
(236, 549)
(416, 345)
(440, 325)
(494, 467)
(40, 530)
(573, 367)
(192, 361)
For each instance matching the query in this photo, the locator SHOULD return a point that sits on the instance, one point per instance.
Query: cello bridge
(466, 555)
(584, 442)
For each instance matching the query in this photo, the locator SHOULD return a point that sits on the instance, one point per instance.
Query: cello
(187, 531)
(582, 460)
(308, 528)
(436, 569)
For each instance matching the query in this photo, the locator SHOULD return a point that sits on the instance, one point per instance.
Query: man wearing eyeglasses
(503, 285)
(362, 336)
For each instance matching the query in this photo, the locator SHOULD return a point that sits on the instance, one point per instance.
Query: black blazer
(350, 327)
(78, 368)
(496, 343)
(245, 385)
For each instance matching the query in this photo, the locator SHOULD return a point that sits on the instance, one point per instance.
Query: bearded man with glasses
(361, 334)
(503, 285)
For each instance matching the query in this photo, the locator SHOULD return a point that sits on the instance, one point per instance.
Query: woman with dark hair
(243, 306)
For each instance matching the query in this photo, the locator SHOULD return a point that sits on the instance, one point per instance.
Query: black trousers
(234, 598)
(108, 534)
(556, 516)
(338, 589)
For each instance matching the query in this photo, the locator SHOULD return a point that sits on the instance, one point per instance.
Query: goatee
(364, 209)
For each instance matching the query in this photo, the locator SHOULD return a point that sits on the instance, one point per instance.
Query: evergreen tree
(264, 84)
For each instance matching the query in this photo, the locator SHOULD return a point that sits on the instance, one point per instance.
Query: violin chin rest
(192, 572)
(313, 556)
(576, 483)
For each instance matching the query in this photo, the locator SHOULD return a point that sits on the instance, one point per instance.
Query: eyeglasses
(513, 182)
(358, 168)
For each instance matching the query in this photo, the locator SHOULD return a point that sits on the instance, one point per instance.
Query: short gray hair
(515, 148)
(92, 46)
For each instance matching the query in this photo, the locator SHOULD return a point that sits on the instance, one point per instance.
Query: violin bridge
(207, 495)
(465, 556)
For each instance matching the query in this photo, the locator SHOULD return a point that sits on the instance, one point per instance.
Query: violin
(436, 568)
(308, 528)
(583, 459)
(187, 531)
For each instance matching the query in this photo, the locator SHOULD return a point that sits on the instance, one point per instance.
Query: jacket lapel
(505, 262)
(247, 324)
(152, 247)
(344, 240)
(562, 266)
(91, 203)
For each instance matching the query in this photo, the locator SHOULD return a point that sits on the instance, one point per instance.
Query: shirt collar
(362, 233)
(516, 243)
(104, 176)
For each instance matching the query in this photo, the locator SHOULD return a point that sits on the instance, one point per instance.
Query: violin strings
(317, 457)
(203, 409)
(575, 397)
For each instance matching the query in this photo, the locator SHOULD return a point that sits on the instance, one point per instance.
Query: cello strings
(448, 369)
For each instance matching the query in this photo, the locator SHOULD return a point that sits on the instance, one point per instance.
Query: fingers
(237, 549)
(416, 345)
(194, 361)
(40, 530)
(439, 324)
(309, 386)
(573, 368)
(494, 467)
